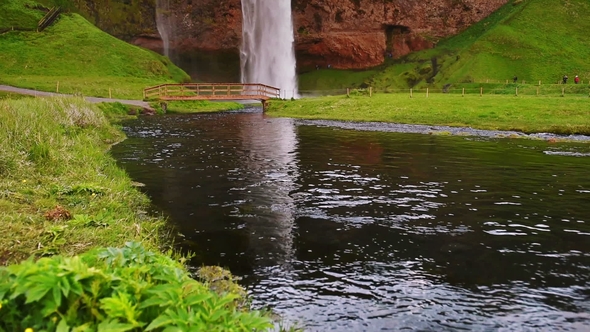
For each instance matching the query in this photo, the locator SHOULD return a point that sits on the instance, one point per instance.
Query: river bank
(522, 114)
(63, 200)
(60, 191)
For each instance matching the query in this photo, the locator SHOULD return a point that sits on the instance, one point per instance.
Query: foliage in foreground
(60, 191)
(115, 289)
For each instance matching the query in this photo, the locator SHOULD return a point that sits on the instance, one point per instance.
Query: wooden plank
(217, 91)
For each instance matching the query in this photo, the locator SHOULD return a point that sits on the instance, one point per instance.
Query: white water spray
(267, 55)
(164, 23)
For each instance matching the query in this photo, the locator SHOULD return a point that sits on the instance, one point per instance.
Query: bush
(115, 289)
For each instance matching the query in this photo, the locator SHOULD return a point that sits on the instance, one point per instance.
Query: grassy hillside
(79, 56)
(532, 39)
(19, 15)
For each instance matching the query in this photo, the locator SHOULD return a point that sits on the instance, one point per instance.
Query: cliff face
(342, 33)
(124, 19)
(360, 33)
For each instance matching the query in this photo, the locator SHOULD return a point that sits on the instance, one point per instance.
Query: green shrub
(116, 289)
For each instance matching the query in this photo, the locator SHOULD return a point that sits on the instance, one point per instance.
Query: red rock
(343, 33)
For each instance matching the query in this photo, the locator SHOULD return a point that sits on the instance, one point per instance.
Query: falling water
(164, 23)
(267, 55)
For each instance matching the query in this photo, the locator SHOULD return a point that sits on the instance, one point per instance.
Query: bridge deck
(202, 97)
(211, 91)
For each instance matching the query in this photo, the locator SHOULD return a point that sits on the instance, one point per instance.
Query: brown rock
(342, 33)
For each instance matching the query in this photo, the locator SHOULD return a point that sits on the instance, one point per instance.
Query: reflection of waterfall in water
(272, 165)
(164, 23)
(267, 54)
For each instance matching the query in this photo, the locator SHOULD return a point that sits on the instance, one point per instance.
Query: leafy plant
(116, 289)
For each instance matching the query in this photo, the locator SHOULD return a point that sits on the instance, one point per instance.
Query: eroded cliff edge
(343, 33)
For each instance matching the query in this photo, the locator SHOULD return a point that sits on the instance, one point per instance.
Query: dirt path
(139, 103)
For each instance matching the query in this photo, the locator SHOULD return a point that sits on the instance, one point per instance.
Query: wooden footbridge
(212, 91)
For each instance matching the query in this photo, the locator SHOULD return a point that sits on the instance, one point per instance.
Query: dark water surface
(371, 231)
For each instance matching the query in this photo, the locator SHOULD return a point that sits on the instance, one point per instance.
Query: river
(339, 229)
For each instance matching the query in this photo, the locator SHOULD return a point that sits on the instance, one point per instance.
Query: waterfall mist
(267, 55)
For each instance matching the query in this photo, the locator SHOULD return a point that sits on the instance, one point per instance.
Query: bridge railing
(219, 91)
(49, 18)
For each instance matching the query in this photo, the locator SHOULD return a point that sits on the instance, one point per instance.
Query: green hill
(19, 15)
(536, 40)
(73, 52)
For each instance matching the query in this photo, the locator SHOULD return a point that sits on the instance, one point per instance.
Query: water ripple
(376, 231)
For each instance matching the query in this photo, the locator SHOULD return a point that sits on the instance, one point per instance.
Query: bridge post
(264, 105)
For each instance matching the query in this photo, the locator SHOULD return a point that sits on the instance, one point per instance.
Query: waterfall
(267, 55)
(164, 24)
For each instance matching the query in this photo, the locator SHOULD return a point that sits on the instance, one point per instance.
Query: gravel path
(139, 103)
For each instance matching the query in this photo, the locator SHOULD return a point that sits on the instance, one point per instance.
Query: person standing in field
(576, 79)
(565, 79)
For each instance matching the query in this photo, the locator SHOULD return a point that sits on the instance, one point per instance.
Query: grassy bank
(529, 114)
(60, 191)
(63, 200)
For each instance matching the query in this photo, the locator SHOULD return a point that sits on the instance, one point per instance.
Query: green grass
(529, 114)
(53, 153)
(10, 95)
(83, 59)
(19, 15)
(533, 39)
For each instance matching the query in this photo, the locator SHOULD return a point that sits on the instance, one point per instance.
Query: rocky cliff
(341, 33)
(125, 19)
(360, 33)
